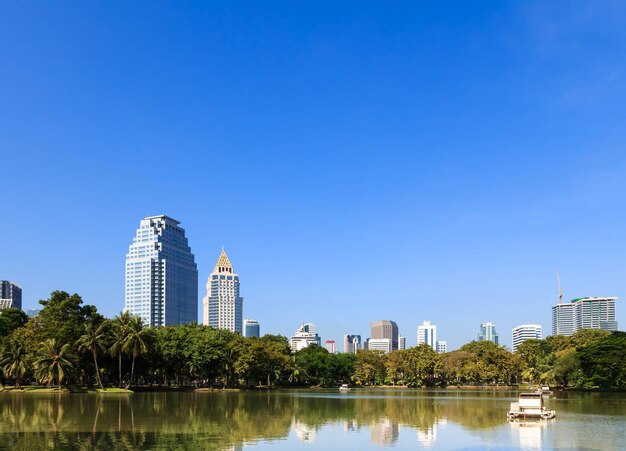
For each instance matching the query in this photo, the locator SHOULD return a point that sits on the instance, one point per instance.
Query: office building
(401, 343)
(427, 334)
(305, 336)
(488, 333)
(525, 332)
(380, 344)
(351, 344)
(10, 295)
(161, 274)
(251, 328)
(442, 347)
(32, 312)
(584, 313)
(385, 329)
(222, 305)
(330, 346)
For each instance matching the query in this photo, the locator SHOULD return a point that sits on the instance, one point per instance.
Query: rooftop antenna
(558, 281)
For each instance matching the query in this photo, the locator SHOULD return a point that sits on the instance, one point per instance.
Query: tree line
(70, 343)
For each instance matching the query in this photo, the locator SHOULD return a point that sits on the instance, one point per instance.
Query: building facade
(427, 334)
(222, 305)
(351, 344)
(584, 313)
(251, 328)
(380, 344)
(442, 346)
(330, 346)
(305, 336)
(10, 295)
(161, 274)
(525, 332)
(401, 343)
(385, 329)
(488, 333)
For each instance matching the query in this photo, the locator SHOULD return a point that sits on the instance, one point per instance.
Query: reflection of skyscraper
(385, 432)
(428, 436)
(304, 432)
(385, 329)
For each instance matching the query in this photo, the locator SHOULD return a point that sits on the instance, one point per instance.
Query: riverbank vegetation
(71, 344)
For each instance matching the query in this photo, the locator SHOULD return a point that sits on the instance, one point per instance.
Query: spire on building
(223, 264)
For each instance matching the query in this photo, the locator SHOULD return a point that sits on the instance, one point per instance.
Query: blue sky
(358, 161)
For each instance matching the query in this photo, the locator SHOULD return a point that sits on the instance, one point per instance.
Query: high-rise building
(525, 332)
(330, 346)
(584, 313)
(305, 336)
(10, 295)
(488, 333)
(380, 344)
(32, 312)
(442, 347)
(385, 329)
(401, 343)
(427, 334)
(161, 274)
(251, 328)
(351, 344)
(222, 305)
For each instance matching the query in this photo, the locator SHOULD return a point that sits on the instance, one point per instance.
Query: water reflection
(229, 420)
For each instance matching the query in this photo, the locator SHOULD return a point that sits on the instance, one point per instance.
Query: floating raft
(529, 405)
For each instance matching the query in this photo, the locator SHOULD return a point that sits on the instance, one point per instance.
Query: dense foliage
(70, 343)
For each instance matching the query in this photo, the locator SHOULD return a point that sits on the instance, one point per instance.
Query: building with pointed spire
(222, 305)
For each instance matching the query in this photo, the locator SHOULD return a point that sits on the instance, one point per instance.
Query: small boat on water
(530, 405)
(344, 388)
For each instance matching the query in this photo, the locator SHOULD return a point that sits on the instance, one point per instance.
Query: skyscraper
(10, 295)
(330, 346)
(351, 344)
(525, 332)
(584, 313)
(161, 274)
(442, 346)
(251, 328)
(488, 333)
(305, 336)
(401, 343)
(385, 329)
(427, 333)
(223, 307)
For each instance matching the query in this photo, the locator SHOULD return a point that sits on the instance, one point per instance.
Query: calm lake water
(309, 419)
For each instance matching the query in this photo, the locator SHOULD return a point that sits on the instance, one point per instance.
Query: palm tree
(14, 362)
(136, 342)
(52, 362)
(120, 332)
(93, 341)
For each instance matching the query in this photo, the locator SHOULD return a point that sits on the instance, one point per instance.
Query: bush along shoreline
(69, 346)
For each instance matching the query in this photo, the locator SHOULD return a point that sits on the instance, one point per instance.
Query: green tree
(53, 362)
(137, 341)
(422, 365)
(15, 361)
(603, 363)
(370, 367)
(120, 333)
(12, 319)
(93, 341)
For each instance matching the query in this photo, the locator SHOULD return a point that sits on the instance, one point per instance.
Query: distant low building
(330, 346)
(488, 333)
(305, 336)
(442, 347)
(10, 295)
(351, 344)
(380, 344)
(251, 328)
(32, 312)
(525, 332)
(401, 343)
(584, 313)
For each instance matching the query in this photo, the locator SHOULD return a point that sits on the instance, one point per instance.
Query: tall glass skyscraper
(222, 305)
(488, 333)
(161, 274)
(10, 295)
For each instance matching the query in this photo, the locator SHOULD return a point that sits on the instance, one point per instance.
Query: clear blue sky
(358, 161)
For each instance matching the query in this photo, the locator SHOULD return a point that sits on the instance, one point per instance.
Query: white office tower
(161, 274)
(351, 344)
(380, 344)
(305, 336)
(584, 313)
(427, 333)
(488, 333)
(401, 343)
(525, 332)
(222, 305)
(442, 347)
(251, 328)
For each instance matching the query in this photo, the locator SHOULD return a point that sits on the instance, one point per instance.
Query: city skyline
(458, 157)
